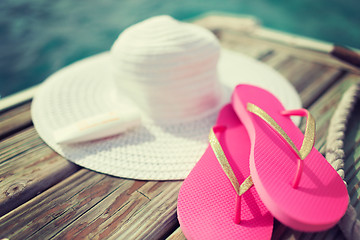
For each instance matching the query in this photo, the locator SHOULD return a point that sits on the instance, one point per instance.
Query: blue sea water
(39, 37)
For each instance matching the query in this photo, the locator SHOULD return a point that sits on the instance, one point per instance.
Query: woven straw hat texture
(177, 76)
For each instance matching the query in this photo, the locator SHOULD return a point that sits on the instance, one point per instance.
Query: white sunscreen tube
(99, 126)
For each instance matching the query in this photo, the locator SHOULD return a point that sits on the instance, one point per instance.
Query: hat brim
(153, 151)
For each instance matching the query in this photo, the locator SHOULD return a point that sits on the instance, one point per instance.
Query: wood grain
(249, 39)
(310, 78)
(176, 235)
(89, 204)
(27, 167)
(62, 202)
(15, 119)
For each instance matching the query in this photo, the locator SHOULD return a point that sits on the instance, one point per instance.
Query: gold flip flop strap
(309, 136)
(220, 155)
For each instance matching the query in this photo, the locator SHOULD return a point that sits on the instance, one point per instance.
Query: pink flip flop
(299, 187)
(209, 205)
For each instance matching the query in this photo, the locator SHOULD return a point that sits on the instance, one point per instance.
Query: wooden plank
(148, 213)
(89, 204)
(115, 198)
(15, 119)
(311, 79)
(176, 235)
(339, 53)
(158, 217)
(20, 143)
(27, 167)
(250, 39)
(244, 45)
(71, 197)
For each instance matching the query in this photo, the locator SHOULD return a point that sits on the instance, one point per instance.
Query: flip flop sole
(321, 198)
(206, 202)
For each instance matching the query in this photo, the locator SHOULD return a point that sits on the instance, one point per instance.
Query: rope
(349, 224)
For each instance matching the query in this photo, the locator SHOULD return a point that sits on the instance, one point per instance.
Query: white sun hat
(174, 74)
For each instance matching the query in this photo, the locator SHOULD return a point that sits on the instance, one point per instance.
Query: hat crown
(168, 68)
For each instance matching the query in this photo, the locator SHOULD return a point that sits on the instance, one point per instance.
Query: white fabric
(162, 148)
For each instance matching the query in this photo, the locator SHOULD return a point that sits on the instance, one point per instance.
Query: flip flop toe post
(294, 181)
(217, 200)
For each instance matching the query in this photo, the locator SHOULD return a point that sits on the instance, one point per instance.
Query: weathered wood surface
(44, 196)
(15, 119)
(28, 167)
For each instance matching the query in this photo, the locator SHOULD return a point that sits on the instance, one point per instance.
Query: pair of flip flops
(258, 166)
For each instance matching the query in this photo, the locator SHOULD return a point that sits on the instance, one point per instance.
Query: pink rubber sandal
(211, 203)
(299, 187)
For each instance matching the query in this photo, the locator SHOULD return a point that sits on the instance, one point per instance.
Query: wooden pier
(44, 196)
